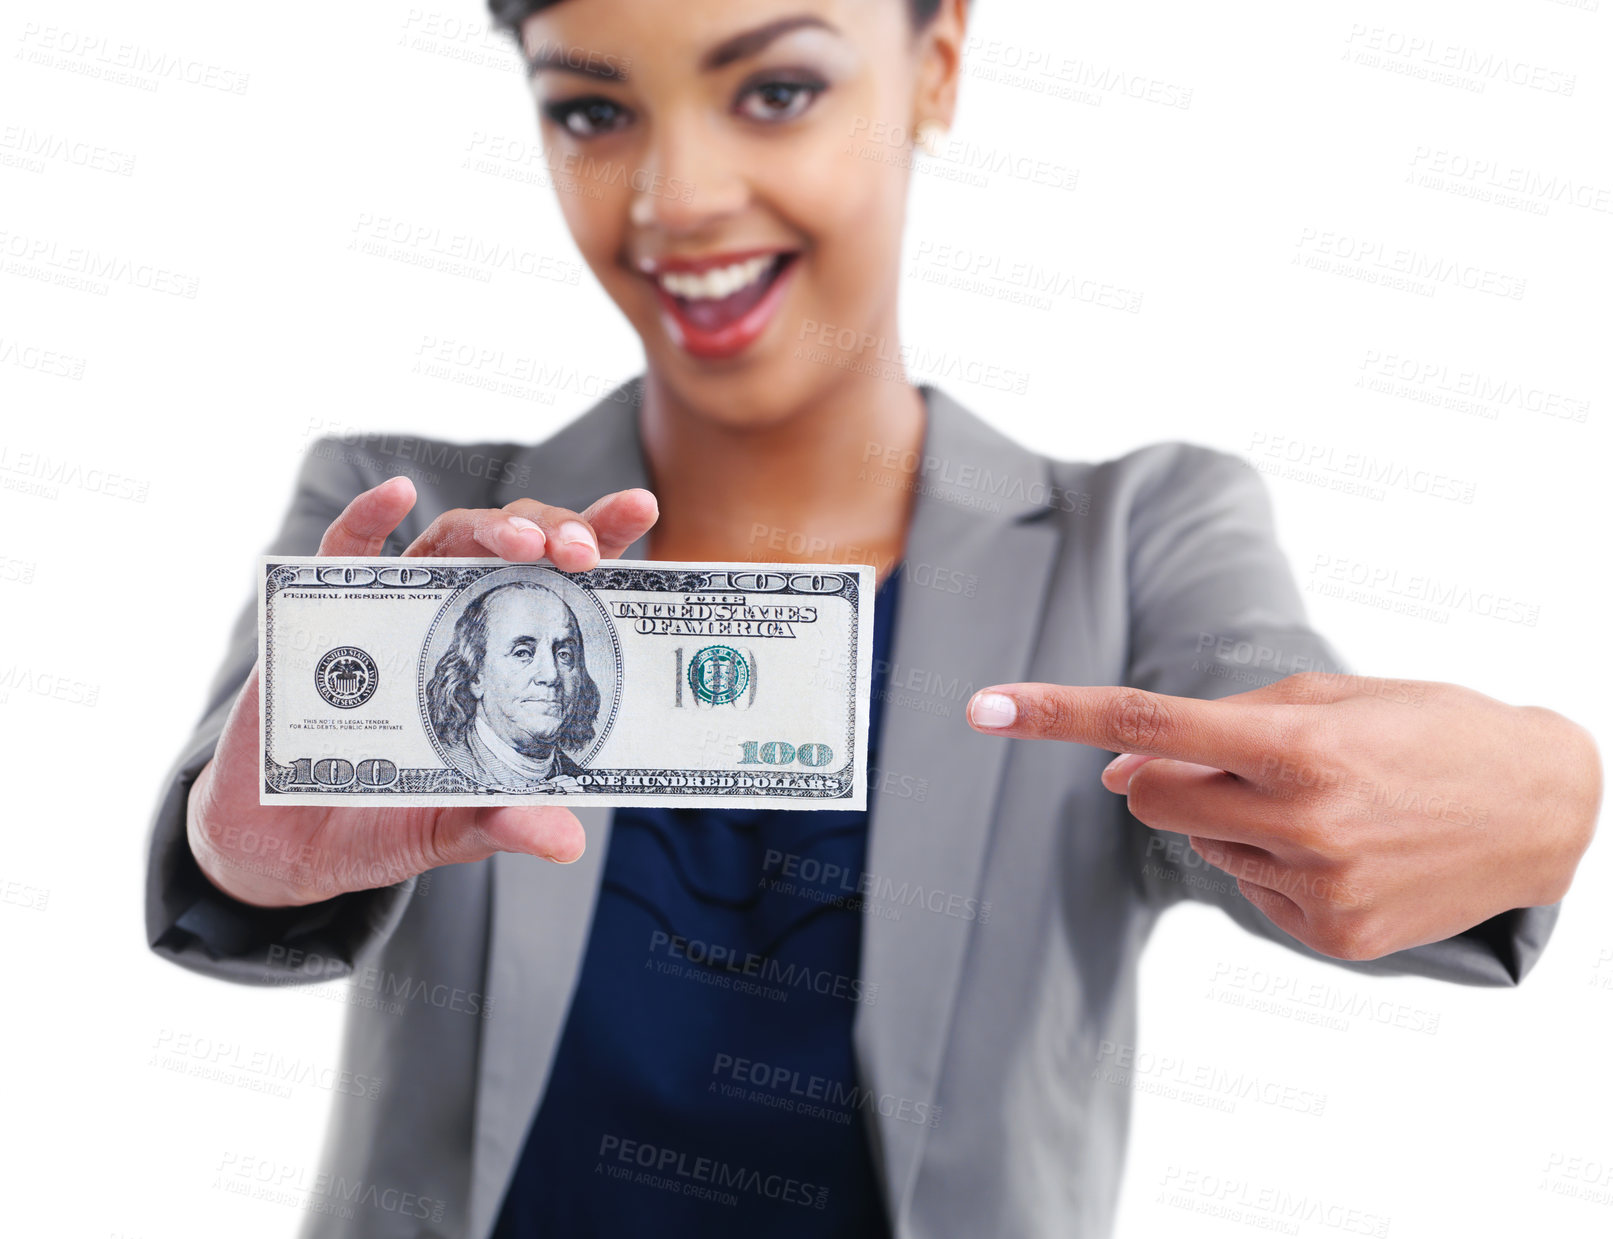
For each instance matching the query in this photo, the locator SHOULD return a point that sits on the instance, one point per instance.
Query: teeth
(718, 282)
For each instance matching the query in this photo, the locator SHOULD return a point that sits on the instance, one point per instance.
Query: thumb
(470, 834)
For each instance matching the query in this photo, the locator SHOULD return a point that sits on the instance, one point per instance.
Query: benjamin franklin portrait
(512, 693)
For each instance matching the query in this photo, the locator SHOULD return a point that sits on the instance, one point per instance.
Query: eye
(565, 656)
(522, 652)
(780, 99)
(587, 117)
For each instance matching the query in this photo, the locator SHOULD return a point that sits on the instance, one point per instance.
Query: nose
(691, 180)
(543, 669)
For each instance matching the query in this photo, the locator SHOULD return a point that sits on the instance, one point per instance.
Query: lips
(711, 319)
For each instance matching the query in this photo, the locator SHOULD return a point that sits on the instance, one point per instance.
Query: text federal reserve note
(452, 681)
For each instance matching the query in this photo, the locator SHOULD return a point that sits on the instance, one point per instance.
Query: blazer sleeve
(1215, 610)
(188, 919)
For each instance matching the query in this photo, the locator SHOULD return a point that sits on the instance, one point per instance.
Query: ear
(941, 46)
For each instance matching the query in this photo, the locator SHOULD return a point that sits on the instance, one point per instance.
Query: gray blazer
(998, 997)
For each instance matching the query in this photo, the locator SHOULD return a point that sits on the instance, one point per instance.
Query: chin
(756, 390)
(542, 730)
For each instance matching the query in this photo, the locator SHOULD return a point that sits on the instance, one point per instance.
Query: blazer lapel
(977, 521)
(541, 912)
(540, 919)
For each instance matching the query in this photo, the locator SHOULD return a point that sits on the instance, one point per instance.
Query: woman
(692, 1027)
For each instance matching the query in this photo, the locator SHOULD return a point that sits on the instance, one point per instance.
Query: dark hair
(511, 13)
(451, 703)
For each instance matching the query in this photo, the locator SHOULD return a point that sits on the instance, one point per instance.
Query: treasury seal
(718, 674)
(346, 677)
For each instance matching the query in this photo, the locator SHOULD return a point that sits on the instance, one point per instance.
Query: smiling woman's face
(735, 173)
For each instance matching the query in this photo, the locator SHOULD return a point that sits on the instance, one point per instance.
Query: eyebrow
(752, 41)
(736, 47)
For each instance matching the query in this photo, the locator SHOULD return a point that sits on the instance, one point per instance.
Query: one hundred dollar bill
(454, 681)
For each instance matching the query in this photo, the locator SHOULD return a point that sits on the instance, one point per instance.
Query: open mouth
(720, 311)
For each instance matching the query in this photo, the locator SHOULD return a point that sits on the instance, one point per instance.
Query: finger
(1117, 774)
(471, 834)
(522, 532)
(480, 531)
(621, 519)
(1316, 688)
(1226, 734)
(572, 545)
(1278, 908)
(1189, 799)
(526, 530)
(1328, 687)
(364, 524)
(1273, 887)
(1254, 865)
(1316, 894)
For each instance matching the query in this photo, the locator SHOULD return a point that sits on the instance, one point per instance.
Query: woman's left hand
(1362, 816)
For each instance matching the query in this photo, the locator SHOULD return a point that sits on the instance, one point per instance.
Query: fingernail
(992, 710)
(1115, 764)
(521, 523)
(576, 533)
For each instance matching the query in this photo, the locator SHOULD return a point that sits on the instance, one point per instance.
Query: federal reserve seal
(718, 674)
(346, 677)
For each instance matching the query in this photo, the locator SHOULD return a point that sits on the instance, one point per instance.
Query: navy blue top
(704, 1082)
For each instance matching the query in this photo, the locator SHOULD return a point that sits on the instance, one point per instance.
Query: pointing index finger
(1225, 734)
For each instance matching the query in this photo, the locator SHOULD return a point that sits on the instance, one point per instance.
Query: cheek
(867, 220)
(492, 684)
(586, 216)
(841, 174)
(596, 214)
(851, 209)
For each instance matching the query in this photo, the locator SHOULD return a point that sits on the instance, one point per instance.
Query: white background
(1495, 1123)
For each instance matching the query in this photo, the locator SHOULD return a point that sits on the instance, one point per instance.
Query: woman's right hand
(281, 856)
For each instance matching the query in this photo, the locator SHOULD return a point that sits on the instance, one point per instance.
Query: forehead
(515, 612)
